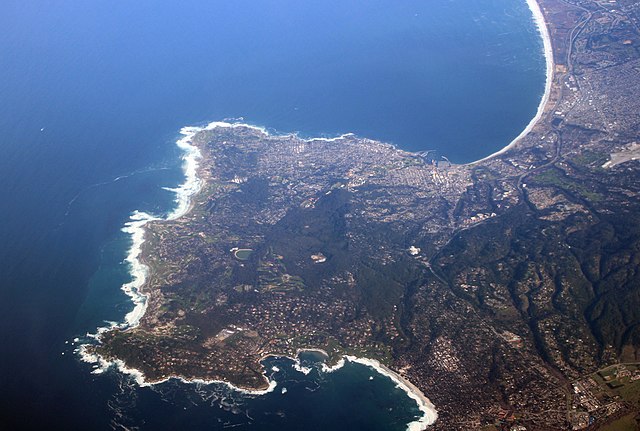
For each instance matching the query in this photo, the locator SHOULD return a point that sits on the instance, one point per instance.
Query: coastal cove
(139, 270)
(192, 185)
(96, 162)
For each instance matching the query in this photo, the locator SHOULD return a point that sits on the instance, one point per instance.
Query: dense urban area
(507, 290)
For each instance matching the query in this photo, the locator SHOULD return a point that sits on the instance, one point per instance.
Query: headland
(424, 269)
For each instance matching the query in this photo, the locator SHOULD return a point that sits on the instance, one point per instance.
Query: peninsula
(507, 290)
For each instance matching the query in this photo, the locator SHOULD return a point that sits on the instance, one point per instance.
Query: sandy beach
(192, 185)
(548, 54)
(429, 415)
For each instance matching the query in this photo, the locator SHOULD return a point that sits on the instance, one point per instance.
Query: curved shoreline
(138, 219)
(541, 23)
(139, 271)
(193, 184)
(429, 412)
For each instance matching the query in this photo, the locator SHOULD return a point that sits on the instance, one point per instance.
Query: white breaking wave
(330, 369)
(301, 368)
(263, 130)
(139, 271)
(541, 24)
(193, 184)
(429, 413)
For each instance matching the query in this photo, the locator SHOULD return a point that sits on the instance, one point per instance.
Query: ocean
(92, 98)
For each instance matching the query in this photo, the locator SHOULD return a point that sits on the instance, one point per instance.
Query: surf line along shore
(139, 272)
(541, 24)
(192, 184)
(429, 412)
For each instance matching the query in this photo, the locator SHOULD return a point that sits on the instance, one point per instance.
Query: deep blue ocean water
(92, 95)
